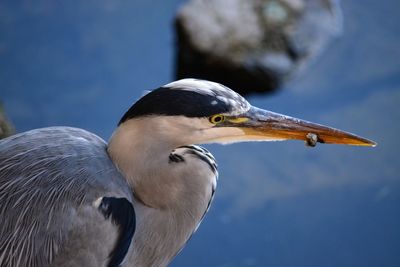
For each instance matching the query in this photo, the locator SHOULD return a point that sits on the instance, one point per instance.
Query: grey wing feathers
(49, 180)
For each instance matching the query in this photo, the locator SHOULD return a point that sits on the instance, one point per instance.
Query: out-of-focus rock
(252, 45)
(6, 129)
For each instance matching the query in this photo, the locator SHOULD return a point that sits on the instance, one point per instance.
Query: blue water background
(83, 63)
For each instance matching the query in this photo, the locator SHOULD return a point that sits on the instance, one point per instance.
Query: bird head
(192, 111)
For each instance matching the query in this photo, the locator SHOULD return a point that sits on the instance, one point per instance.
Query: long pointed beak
(265, 125)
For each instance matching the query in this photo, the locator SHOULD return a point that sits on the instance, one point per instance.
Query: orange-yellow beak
(265, 125)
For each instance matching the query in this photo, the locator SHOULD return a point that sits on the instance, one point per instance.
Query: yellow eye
(217, 119)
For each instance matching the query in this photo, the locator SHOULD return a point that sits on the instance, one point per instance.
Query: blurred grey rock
(6, 129)
(252, 45)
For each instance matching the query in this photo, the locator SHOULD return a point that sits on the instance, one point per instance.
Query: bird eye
(217, 119)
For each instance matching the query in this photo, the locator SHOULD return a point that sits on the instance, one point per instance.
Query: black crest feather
(171, 102)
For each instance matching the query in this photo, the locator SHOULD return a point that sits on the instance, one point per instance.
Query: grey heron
(67, 198)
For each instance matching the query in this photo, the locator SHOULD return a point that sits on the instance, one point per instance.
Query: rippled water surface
(278, 204)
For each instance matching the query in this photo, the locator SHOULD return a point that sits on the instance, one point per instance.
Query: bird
(68, 198)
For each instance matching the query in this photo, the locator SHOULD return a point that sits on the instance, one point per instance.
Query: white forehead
(200, 86)
(221, 92)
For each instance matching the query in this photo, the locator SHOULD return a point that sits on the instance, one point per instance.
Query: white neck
(172, 198)
(138, 148)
